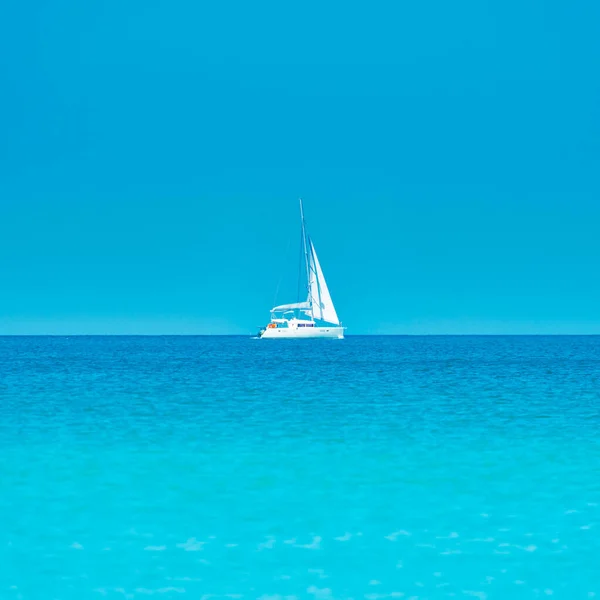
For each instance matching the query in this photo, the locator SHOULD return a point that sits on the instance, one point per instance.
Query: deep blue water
(227, 467)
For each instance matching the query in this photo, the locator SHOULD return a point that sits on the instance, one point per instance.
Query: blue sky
(152, 154)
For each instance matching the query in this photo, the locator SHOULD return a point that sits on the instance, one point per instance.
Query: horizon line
(250, 336)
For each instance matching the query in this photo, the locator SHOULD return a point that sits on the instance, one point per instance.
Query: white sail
(314, 298)
(318, 294)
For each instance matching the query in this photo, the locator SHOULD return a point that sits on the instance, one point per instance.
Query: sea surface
(368, 468)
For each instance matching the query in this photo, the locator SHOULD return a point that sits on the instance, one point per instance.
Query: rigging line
(300, 263)
(305, 246)
(281, 272)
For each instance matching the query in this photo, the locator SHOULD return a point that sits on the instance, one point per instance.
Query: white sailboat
(314, 318)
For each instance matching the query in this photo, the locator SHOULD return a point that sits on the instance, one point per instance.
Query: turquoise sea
(227, 467)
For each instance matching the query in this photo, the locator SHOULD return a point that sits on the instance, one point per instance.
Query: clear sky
(152, 154)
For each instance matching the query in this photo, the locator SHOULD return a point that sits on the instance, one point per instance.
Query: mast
(305, 247)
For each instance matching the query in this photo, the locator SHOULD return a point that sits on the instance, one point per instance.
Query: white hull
(303, 332)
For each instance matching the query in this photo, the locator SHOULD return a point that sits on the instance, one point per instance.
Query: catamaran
(314, 318)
